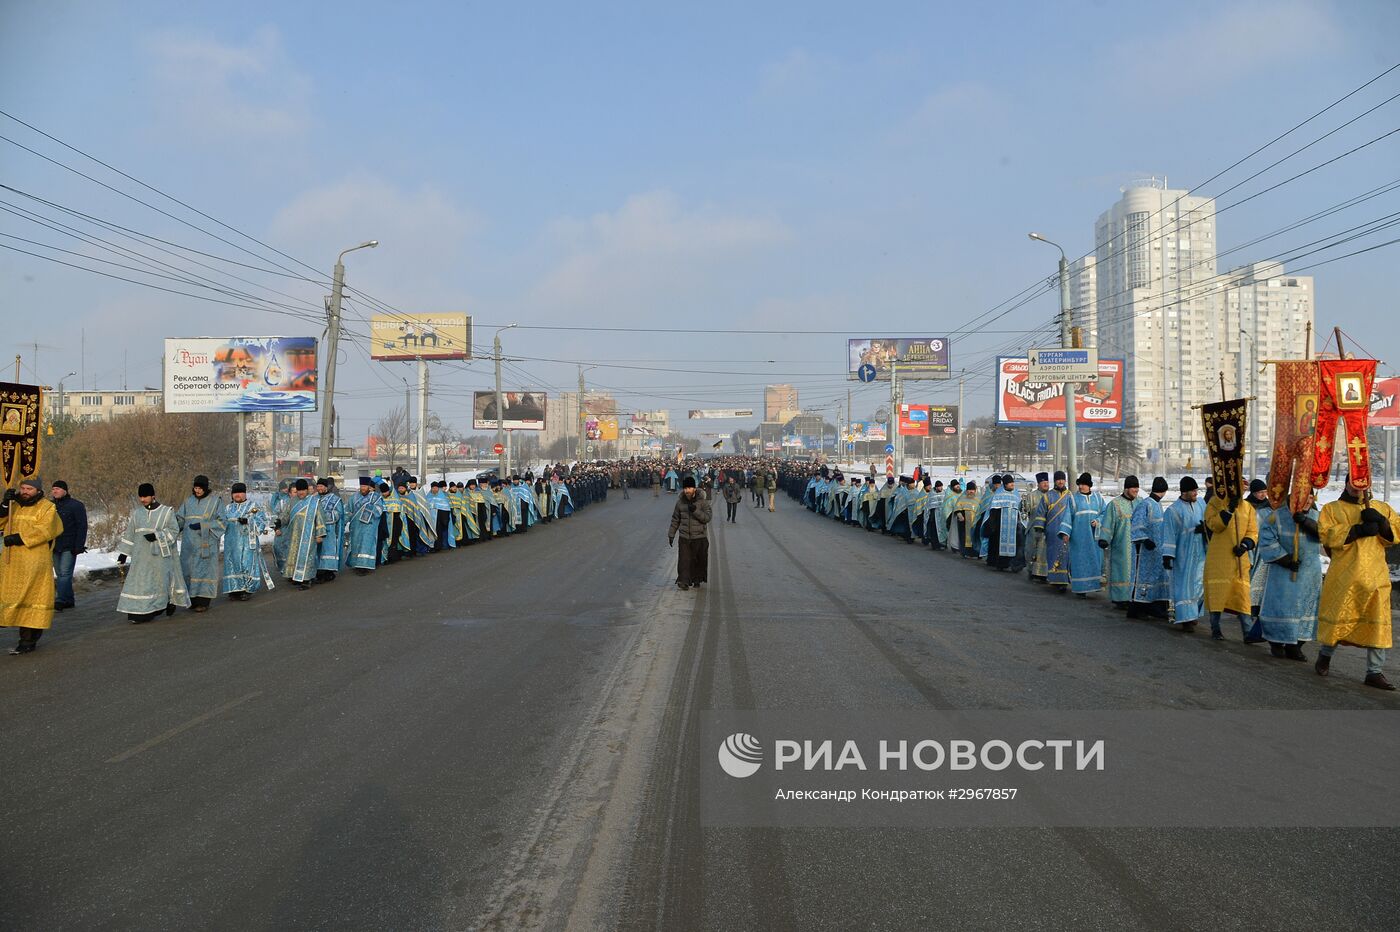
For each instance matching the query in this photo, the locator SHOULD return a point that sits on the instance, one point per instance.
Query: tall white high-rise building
(1155, 267)
(1083, 297)
(1178, 325)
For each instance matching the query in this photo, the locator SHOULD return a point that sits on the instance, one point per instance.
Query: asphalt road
(507, 737)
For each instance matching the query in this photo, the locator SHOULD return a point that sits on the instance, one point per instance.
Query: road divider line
(182, 728)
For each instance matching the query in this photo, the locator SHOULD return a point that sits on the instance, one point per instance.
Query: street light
(500, 405)
(62, 401)
(1065, 341)
(332, 347)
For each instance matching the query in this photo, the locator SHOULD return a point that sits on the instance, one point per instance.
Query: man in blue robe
(1288, 612)
(1080, 531)
(1050, 514)
(280, 510)
(153, 582)
(328, 551)
(1002, 525)
(1259, 568)
(362, 533)
(1116, 542)
(1151, 587)
(979, 519)
(563, 499)
(201, 528)
(899, 523)
(526, 506)
(440, 508)
(243, 558)
(305, 530)
(1184, 555)
(935, 531)
(422, 518)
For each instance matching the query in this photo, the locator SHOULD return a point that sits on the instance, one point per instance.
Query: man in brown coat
(691, 519)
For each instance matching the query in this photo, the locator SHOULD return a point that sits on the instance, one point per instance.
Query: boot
(1375, 680)
(1324, 662)
(1250, 633)
(1215, 632)
(1294, 652)
(1276, 649)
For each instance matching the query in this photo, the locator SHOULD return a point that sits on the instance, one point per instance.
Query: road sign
(889, 448)
(889, 465)
(590, 448)
(850, 448)
(865, 373)
(1063, 365)
(1042, 445)
(498, 449)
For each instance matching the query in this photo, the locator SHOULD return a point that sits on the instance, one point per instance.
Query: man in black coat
(69, 544)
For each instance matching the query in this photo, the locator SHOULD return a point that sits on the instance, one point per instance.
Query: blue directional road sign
(1042, 445)
(866, 373)
(889, 448)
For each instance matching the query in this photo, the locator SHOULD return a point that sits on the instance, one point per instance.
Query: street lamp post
(1065, 341)
(500, 404)
(332, 347)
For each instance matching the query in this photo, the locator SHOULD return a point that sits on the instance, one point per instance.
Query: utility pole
(407, 422)
(422, 418)
(960, 425)
(502, 459)
(578, 448)
(332, 347)
(1067, 342)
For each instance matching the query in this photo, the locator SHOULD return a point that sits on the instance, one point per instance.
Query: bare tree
(391, 433)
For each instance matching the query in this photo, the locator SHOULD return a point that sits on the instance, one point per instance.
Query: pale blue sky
(793, 167)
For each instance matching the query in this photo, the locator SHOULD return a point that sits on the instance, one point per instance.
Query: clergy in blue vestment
(243, 557)
(201, 520)
(362, 534)
(1079, 530)
(979, 518)
(1001, 523)
(809, 494)
(563, 500)
(935, 530)
(899, 516)
(1116, 541)
(305, 531)
(153, 582)
(280, 511)
(1259, 568)
(1049, 515)
(527, 510)
(949, 524)
(918, 506)
(1184, 555)
(421, 516)
(440, 508)
(399, 544)
(328, 550)
(1288, 613)
(1151, 588)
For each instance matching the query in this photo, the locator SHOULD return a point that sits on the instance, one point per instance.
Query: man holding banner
(1234, 530)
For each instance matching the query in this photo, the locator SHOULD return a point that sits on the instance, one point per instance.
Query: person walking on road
(1355, 606)
(690, 519)
(772, 486)
(26, 582)
(732, 496)
(71, 543)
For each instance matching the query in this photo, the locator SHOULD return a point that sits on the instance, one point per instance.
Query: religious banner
(1224, 423)
(1295, 420)
(20, 407)
(1345, 393)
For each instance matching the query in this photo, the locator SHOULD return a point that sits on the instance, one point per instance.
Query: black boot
(1294, 652)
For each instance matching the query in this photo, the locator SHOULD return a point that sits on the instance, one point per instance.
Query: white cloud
(650, 249)
(424, 254)
(1239, 41)
(220, 91)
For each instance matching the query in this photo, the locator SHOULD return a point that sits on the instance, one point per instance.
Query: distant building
(780, 403)
(1083, 299)
(100, 405)
(561, 420)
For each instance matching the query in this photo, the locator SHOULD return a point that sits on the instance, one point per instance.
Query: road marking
(179, 729)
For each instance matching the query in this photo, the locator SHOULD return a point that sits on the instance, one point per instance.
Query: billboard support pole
(1067, 341)
(332, 347)
(898, 438)
(243, 443)
(422, 417)
(960, 425)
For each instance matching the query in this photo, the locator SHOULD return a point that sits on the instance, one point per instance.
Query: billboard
(207, 374)
(414, 336)
(863, 431)
(524, 410)
(942, 420)
(718, 414)
(918, 357)
(1023, 403)
(1385, 402)
(600, 427)
(913, 420)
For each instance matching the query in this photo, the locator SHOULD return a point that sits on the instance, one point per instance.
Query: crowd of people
(211, 546)
(1203, 556)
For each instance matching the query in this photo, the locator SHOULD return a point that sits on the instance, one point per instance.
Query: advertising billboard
(524, 410)
(1385, 402)
(718, 413)
(942, 420)
(600, 427)
(918, 357)
(1023, 403)
(863, 431)
(913, 420)
(213, 374)
(425, 336)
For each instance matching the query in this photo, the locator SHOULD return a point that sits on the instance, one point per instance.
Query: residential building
(101, 405)
(562, 416)
(1083, 298)
(1155, 299)
(780, 403)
